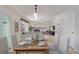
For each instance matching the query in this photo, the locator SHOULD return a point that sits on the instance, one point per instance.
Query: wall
(76, 11)
(65, 31)
(13, 16)
(4, 10)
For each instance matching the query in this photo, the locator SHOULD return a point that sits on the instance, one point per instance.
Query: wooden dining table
(31, 49)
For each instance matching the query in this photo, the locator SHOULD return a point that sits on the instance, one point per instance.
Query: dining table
(33, 48)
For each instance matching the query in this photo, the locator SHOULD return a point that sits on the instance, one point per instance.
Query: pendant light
(35, 13)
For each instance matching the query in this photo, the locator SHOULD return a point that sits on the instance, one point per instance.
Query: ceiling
(45, 12)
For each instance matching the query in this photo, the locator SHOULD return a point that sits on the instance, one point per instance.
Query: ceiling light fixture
(35, 13)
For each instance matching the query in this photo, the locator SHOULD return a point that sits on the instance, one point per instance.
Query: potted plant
(30, 28)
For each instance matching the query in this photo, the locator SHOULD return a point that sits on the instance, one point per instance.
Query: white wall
(76, 11)
(4, 10)
(13, 16)
(65, 25)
